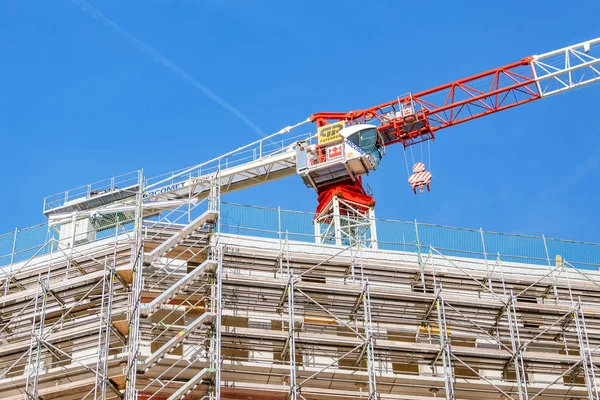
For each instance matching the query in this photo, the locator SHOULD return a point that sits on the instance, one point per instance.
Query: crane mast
(347, 146)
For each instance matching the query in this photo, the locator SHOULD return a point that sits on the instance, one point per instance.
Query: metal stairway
(166, 296)
(148, 363)
(208, 217)
(192, 383)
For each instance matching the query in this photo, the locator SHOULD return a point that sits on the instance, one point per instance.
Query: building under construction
(155, 288)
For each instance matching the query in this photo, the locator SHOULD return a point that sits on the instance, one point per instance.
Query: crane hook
(420, 178)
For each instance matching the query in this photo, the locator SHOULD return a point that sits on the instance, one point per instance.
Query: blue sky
(80, 102)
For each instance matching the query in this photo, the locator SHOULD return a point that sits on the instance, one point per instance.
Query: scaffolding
(210, 300)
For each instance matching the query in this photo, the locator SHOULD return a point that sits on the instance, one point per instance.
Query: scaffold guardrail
(22, 244)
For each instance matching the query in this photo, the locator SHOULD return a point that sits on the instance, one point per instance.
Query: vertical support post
(418, 242)
(551, 269)
(214, 202)
(135, 296)
(35, 344)
(444, 343)
(318, 237)
(419, 259)
(189, 199)
(585, 351)
(107, 328)
(485, 260)
(106, 318)
(99, 360)
(279, 235)
(217, 302)
(293, 395)
(373, 228)
(12, 260)
(337, 221)
(515, 341)
(71, 243)
(369, 338)
(215, 205)
(104, 329)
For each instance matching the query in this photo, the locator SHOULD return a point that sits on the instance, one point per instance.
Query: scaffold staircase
(208, 217)
(205, 374)
(182, 284)
(204, 319)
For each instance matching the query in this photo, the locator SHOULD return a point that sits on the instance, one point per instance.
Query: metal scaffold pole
(290, 347)
(216, 358)
(585, 351)
(135, 295)
(104, 331)
(445, 351)
(291, 341)
(369, 343)
(36, 341)
(485, 260)
(517, 353)
(12, 260)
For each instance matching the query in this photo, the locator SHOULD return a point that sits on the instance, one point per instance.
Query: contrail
(159, 58)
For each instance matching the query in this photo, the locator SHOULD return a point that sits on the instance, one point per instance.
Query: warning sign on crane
(335, 151)
(330, 133)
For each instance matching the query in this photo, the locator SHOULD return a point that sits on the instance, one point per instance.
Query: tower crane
(349, 145)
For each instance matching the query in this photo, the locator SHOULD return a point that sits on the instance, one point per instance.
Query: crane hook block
(419, 178)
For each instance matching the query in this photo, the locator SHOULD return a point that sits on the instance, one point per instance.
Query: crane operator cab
(341, 154)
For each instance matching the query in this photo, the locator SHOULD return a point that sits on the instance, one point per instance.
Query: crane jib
(498, 89)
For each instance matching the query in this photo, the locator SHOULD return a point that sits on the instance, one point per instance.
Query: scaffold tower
(196, 303)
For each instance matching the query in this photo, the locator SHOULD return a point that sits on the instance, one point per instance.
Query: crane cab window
(370, 142)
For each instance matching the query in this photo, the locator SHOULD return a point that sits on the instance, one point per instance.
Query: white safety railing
(255, 151)
(275, 144)
(125, 181)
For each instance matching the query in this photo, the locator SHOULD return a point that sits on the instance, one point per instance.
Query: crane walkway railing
(272, 145)
(117, 187)
(177, 288)
(265, 147)
(173, 343)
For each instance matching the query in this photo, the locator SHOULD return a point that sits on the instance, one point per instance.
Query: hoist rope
(406, 162)
(429, 154)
